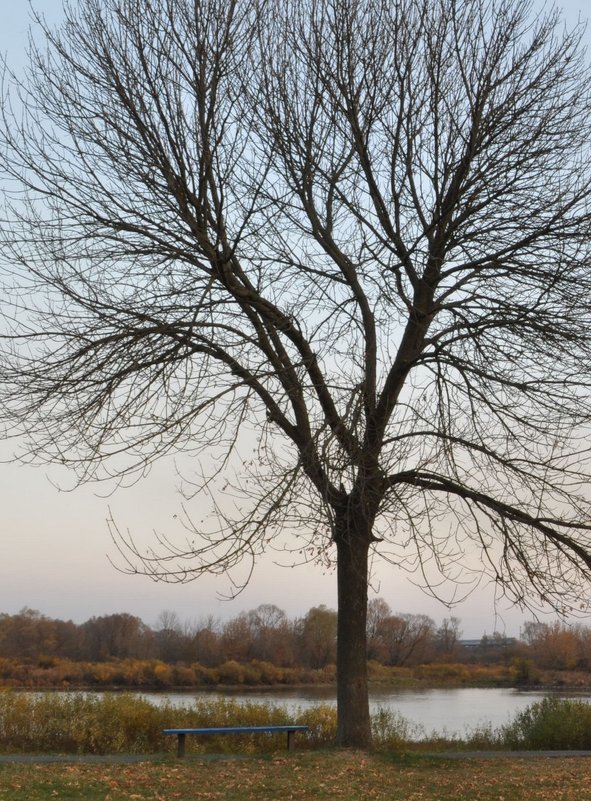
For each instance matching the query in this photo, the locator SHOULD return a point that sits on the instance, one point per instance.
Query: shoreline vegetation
(122, 723)
(152, 675)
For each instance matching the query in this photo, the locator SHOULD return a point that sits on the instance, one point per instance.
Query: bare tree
(447, 637)
(377, 612)
(406, 639)
(272, 634)
(356, 232)
(318, 635)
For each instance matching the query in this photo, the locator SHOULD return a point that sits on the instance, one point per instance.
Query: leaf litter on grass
(329, 776)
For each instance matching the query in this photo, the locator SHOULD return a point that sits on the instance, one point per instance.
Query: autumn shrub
(552, 724)
(327, 674)
(80, 723)
(126, 723)
(483, 738)
(376, 671)
(322, 720)
(13, 672)
(182, 676)
(205, 676)
(267, 673)
(391, 731)
(87, 723)
(103, 673)
(442, 673)
(453, 674)
(44, 661)
(50, 672)
(251, 675)
(15, 721)
(231, 672)
(524, 671)
(162, 675)
(219, 712)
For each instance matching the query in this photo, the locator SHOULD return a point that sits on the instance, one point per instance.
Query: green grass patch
(319, 776)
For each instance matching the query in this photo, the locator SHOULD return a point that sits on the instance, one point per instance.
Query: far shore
(551, 681)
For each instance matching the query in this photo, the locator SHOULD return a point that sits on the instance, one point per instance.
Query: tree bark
(353, 727)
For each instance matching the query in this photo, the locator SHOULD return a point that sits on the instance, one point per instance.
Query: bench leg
(180, 751)
(290, 739)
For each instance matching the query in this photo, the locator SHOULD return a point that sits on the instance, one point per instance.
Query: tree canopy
(356, 232)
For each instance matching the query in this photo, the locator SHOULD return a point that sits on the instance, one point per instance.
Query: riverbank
(439, 720)
(155, 676)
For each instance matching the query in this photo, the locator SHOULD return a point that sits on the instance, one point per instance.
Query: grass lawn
(343, 776)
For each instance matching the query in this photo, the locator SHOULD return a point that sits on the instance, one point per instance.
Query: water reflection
(449, 711)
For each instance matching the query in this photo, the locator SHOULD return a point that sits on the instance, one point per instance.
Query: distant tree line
(266, 634)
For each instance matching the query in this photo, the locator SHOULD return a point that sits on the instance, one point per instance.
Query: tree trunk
(353, 722)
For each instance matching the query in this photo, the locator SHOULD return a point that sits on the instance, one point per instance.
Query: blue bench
(182, 733)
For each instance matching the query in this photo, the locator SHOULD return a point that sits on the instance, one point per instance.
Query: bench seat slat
(235, 729)
(182, 733)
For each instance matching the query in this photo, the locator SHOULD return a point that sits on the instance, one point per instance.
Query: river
(449, 711)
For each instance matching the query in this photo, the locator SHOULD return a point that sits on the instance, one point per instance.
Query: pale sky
(55, 544)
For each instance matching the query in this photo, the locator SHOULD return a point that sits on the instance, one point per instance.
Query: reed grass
(85, 723)
(553, 724)
(113, 723)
